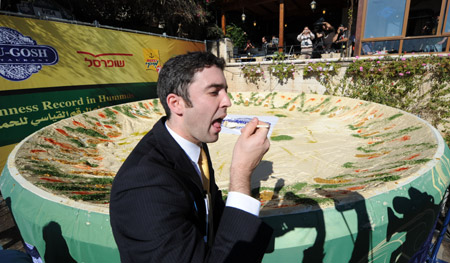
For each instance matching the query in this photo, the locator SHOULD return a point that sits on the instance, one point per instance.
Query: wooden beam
(448, 45)
(441, 20)
(281, 28)
(359, 26)
(224, 23)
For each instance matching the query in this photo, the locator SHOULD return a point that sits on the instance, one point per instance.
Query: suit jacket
(158, 214)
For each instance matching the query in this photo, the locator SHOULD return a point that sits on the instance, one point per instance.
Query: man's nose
(226, 102)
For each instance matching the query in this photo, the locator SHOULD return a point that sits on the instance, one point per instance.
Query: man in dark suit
(163, 207)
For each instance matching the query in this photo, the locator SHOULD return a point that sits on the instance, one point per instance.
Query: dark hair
(178, 73)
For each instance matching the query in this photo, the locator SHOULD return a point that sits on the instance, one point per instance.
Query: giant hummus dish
(319, 145)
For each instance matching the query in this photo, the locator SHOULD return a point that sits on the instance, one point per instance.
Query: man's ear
(176, 104)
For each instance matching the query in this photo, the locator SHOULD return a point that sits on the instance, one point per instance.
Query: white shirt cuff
(244, 202)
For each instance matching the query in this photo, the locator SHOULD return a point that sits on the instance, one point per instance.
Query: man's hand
(248, 152)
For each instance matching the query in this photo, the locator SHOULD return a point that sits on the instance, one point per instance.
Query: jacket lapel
(175, 155)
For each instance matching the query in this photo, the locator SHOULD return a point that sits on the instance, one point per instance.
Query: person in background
(306, 37)
(165, 205)
(264, 44)
(274, 42)
(249, 45)
(440, 45)
(367, 48)
(318, 42)
(327, 34)
(340, 39)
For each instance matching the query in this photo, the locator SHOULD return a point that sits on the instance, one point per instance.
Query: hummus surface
(319, 145)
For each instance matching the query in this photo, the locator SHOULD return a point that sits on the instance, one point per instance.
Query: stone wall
(237, 82)
(222, 48)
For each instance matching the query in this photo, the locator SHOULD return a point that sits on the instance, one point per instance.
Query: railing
(290, 51)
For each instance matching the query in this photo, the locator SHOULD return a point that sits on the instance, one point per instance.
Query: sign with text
(21, 115)
(52, 70)
(41, 54)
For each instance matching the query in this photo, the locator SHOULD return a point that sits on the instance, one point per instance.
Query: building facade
(402, 27)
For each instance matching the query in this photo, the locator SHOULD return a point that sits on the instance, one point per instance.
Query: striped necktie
(204, 169)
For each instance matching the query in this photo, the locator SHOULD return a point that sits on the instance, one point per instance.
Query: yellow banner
(4, 152)
(41, 54)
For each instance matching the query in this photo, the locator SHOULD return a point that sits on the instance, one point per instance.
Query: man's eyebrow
(218, 86)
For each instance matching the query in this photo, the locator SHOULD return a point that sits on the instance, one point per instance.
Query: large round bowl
(344, 180)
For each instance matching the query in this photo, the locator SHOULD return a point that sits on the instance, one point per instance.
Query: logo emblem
(21, 56)
(152, 61)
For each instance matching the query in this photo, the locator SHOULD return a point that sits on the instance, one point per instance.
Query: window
(414, 25)
(380, 47)
(423, 18)
(435, 44)
(384, 18)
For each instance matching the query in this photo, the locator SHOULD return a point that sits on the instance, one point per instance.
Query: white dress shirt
(235, 199)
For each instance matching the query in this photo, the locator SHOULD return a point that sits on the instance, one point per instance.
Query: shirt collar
(192, 150)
